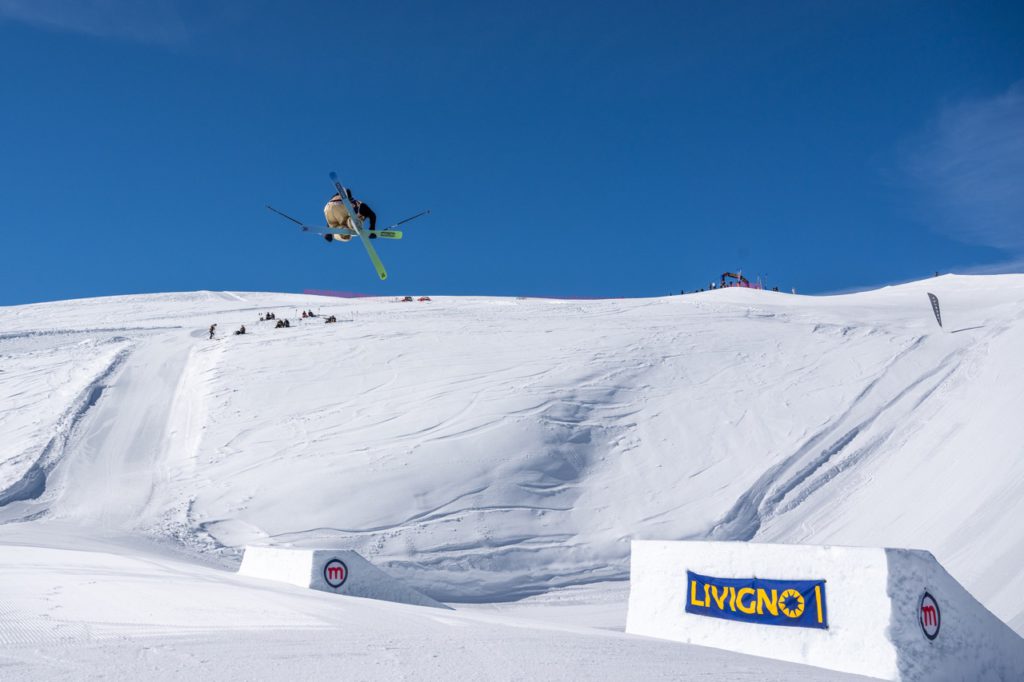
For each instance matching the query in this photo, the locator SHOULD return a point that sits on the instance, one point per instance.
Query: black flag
(935, 307)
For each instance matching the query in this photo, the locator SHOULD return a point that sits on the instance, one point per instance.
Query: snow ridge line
(33, 483)
(29, 333)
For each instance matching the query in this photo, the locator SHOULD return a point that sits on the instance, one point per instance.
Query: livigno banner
(794, 603)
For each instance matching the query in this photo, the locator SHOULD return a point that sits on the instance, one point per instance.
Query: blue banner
(794, 603)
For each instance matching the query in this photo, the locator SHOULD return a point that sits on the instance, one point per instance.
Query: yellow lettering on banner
(763, 601)
(753, 602)
(693, 595)
(732, 598)
(817, 598)
(719, 599)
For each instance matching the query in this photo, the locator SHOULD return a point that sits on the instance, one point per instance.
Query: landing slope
(487, 449)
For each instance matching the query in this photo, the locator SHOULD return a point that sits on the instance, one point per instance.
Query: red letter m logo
(335, 573)
(931, 618)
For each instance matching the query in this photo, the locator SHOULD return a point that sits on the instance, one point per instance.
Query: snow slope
(487, 449)
(116, 608)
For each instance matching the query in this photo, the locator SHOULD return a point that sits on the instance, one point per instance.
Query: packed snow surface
(490, 449)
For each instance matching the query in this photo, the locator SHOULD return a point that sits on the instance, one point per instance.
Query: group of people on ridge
(283, 323)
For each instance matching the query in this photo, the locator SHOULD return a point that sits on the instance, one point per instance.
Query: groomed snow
(489, 449)
(121, 609)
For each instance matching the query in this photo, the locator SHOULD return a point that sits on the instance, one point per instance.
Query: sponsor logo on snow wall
(930, 616)
(793, 603)
(335, 573)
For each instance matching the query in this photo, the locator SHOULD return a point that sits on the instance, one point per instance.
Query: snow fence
(330, 570)
(890, 613)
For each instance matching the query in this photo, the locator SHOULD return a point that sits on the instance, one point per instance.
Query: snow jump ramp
(894, 614)
(330, 570)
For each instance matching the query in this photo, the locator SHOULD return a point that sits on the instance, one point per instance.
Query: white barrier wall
(893, 614)
(336, 571)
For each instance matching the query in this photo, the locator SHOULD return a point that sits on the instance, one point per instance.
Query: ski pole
(285, 215)
(421, 213)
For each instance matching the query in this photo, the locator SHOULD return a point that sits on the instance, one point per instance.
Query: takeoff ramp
(329, 570)
(890, 613)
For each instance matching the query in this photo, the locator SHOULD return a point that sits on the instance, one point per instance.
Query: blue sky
(565, 148)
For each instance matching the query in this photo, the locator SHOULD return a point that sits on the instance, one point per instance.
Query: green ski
(357, 227)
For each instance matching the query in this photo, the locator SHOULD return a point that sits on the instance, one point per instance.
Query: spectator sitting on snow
(241, 330)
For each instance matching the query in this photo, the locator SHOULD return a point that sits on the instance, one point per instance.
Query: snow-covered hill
(487, 449)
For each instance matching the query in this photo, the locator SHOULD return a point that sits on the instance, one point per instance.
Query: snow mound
(490, 449)
(895, 614)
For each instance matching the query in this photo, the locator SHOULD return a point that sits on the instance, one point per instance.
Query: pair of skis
(355, 223)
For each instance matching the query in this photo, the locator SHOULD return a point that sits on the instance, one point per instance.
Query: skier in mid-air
(344, 214)
(337, 215)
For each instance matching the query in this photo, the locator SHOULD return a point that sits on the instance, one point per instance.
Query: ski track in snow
(492, 449)
(812, 466)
